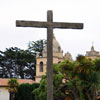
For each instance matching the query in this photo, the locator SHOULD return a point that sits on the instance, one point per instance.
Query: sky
(73, 41)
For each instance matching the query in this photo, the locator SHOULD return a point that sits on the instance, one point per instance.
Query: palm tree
(83, 79)
(13, 84)
(89, 77)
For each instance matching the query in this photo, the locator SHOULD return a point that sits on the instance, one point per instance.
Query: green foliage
(57, 77)
(79, 79)
(13, 85)
(25, 92)
(41, 94)
(82, 78)
(96, 63)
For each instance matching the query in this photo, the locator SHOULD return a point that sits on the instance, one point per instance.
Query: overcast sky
(73, 41)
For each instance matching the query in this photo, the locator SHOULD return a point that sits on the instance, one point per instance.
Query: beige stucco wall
(4, 94)
(38, 80)
(56, 60)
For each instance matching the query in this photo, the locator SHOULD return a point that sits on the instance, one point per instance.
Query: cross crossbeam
(49, 25)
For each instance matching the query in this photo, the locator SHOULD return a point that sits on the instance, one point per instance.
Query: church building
(41, 61)
(92, 53)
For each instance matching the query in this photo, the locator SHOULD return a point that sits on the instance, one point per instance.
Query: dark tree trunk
(11, 97)
(88, 95)
(75, 93)
(94, 93)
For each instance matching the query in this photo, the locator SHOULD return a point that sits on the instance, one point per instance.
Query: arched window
(41, 66)
(59, 49)
(59, 62)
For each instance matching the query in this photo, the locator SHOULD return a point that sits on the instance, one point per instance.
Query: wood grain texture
(49, 57)
(48, 24)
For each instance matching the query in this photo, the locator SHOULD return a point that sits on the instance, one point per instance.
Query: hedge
(25, 91)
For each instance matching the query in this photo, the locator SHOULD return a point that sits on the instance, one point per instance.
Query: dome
(56, 46)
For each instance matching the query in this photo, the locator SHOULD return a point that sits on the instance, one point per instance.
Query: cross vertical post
(49, 57)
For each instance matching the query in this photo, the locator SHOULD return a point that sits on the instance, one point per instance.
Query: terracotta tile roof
(4, 81)
(98, 97)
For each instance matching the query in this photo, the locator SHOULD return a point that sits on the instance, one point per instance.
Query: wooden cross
(49, 25)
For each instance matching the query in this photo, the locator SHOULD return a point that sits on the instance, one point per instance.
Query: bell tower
(41, 61)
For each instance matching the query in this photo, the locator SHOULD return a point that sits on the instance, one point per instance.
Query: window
(41, 66)
(58, 49)
(59, 62)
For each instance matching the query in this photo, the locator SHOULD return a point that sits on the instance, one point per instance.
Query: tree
(37, 47)
(17, 63)
(89, 78)
(12, 87)
(70, 80)
(25, 91)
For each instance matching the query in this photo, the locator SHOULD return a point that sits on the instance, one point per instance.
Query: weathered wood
(68, 25)
(49, 57)
(31, 24)
(49, 25)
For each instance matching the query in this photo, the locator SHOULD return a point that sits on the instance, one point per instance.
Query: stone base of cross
(50, 25)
